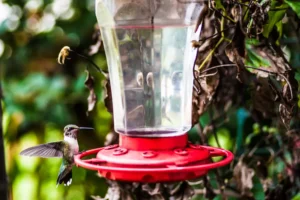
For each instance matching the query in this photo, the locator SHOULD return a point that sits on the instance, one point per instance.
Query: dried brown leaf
(263, 98)
(285, 114)
(92, 98)
(111, 138)
(209, 84)
(180, 191)
(108, 96)
(243, 176)
(96, 46)
(155, 192)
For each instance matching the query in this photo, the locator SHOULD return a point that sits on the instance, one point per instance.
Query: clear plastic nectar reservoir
(150, 59)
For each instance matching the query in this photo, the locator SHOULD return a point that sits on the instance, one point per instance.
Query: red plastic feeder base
(153, 159)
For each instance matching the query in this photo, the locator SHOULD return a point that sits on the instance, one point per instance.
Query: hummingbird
(65, 149)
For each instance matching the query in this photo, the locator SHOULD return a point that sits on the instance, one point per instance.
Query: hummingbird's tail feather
(65, 176)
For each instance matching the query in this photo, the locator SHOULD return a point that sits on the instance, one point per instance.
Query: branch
(226, 192)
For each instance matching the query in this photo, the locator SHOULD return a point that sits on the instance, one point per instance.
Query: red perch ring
(151, 160)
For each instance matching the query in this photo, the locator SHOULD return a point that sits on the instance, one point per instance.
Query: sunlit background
(41, 96)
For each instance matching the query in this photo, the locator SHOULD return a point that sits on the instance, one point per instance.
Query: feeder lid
(153, 151)
(177, 157)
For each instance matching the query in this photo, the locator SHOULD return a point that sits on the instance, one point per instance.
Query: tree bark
(3, 177)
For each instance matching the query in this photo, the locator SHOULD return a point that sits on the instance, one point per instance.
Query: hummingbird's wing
(52, 149)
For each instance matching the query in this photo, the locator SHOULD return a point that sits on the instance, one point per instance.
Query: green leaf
(213, 179)
(254, 60)
(252, 41)
(218, 197)
(219, 5)
(204, 119)
(295, 5)
(297, 76)
(279, 166)
(275, 16)
(242, 115)
(279, 29)
(296, 197)
(223, 138)
(258, 190)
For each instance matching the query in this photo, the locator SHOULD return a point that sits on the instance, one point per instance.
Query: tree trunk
(3, 177)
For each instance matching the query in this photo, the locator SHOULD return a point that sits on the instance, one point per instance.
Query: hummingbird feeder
(151, 59)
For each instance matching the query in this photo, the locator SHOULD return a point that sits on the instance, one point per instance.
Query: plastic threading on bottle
(116, 162)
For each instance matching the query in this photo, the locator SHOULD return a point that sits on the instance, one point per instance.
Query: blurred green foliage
(41, 97)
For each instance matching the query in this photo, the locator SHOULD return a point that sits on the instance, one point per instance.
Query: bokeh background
(41, 97)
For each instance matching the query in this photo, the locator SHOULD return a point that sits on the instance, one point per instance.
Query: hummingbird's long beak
(86, 128)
